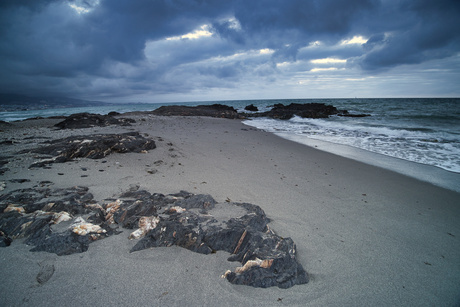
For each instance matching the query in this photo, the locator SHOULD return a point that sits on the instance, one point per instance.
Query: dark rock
(252, 108)
(32, 118)
(61, 244)
(87, 120)
(92, 146)
(215, 110)
(268, 260)
(4, 239)
(19, 180)
(4, 161)
(346, 114)
(306, 110)
(38, 212)
(51, 221)
(7, 142)
(4, 124)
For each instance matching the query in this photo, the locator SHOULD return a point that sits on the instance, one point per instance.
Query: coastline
(428, 173)
(365, 235)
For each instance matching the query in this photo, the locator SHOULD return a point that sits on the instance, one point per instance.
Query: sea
(422, 131)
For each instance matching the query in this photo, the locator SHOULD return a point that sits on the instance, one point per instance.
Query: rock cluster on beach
(88, 120)
(94, 146)
(66, 221)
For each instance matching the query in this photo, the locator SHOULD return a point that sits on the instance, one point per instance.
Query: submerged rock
(52, 221)
(95, 146)
(87, 120)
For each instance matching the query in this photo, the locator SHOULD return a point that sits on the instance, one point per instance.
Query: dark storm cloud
(324, 19)
(429, 31)
(118, 47)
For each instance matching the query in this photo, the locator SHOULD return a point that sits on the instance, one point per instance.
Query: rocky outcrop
(279, 111)
(45, 218)
(95, 146)
(52, 221)
(214, 110)
(306, 110)
(87, 120)
(251, 108)
(267, 259)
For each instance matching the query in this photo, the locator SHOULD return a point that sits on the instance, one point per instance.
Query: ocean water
(422, 130)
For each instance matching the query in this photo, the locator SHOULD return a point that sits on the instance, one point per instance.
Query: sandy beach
(366, 236)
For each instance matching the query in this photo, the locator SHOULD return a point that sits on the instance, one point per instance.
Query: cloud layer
(125, 50)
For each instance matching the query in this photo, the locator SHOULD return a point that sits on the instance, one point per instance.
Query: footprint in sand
(46, 271)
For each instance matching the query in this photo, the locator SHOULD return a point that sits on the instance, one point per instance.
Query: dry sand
(366, 235)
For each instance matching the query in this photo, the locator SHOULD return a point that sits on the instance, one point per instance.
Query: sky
(202, 50)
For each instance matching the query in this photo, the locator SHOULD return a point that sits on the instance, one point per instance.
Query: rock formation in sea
(279, 111)
(214, 110)
(94, 146)
(306, 110)
(52, 220)
(251, 108)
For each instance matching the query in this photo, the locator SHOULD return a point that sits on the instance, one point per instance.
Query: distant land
(17, 102)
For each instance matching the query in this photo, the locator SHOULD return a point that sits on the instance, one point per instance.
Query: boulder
(251, 108)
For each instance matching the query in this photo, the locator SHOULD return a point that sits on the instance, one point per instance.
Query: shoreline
(424, 172)
(365, 235)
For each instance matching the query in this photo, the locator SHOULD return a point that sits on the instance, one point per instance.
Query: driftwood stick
(240, 242)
